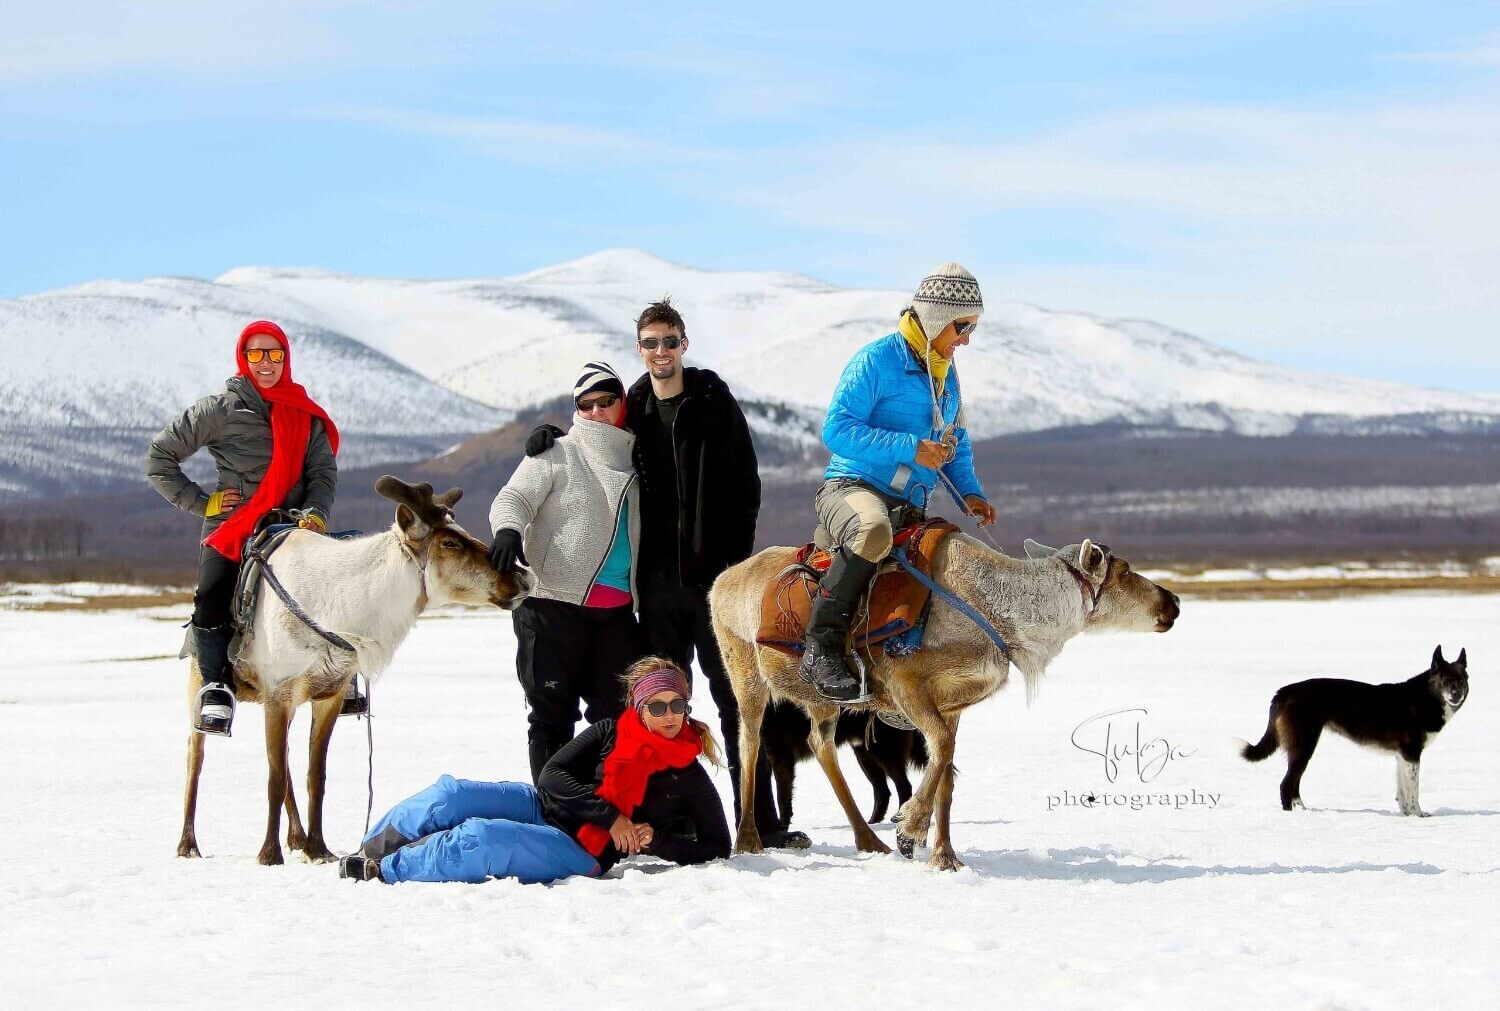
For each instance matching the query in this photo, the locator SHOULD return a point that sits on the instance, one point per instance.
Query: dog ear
(1092, 559)
(1437, 657)
(1036, 549)
(1463, 659)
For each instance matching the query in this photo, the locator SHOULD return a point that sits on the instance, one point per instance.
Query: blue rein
(962, 606)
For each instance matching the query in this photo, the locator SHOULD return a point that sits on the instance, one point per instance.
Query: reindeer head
(455, 562)
(1117, 599)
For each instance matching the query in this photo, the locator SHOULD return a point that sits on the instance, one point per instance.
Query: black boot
(216, 697)
(826, 662)
(355, 703)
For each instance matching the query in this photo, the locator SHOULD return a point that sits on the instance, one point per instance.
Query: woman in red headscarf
(274, 449)
(624, 786)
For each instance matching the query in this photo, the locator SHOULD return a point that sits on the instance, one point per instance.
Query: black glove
(507, 551)
(541, 439)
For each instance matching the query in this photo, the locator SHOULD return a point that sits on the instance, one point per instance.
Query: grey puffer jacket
(566, 504)
(235, 428)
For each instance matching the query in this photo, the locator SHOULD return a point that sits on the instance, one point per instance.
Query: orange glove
(313, 522)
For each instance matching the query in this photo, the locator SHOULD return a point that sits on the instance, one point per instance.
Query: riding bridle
(1090, 592)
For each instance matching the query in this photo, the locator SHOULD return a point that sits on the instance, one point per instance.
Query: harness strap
(332, 638)
(962, 606)
(1089, 591)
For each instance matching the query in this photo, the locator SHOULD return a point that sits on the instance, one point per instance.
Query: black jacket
(716, 476)
(680, 805)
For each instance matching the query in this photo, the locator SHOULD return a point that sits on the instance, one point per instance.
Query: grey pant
(853, 515)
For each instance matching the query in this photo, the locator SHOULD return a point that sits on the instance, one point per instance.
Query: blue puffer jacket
(881, 409)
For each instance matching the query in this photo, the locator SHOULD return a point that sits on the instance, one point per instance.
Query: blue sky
(1312, 183)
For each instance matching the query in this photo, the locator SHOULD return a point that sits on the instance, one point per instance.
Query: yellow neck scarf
(937, 365)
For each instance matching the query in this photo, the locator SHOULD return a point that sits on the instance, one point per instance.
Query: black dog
(1402, 717)
(882, 752)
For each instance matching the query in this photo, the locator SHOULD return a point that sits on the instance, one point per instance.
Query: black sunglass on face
(964, 329)
(603, 400)
(254, 355)
(659, 708)
(650, 343)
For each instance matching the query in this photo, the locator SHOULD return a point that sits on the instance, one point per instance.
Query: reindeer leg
(296, 836)
(278, 721)
(825, 720)
(325, 715)
(753, 698)
(187, 845)
(943, 858)
(916, 814)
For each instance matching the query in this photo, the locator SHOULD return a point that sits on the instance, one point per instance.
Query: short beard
(667, 372)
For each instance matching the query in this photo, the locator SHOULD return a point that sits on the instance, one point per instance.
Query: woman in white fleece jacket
(573, 515)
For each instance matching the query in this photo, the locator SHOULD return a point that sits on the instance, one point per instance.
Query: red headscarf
(292, 411)
(637, 756)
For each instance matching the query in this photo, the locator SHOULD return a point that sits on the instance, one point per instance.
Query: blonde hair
(645, 665)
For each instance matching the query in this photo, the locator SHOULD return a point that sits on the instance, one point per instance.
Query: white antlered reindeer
(369, 591)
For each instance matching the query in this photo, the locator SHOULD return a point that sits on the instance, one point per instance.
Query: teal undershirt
(616, 570)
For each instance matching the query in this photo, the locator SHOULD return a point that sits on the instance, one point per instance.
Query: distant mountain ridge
(410, 367)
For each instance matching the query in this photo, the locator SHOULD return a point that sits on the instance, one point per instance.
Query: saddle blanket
(898, 605)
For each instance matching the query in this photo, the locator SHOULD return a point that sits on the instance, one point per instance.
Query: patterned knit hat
(597, 377)
(944, 295)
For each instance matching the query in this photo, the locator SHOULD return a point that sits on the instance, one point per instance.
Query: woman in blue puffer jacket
(895, 422)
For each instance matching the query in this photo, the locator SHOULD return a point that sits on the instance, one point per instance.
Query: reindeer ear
(1437, 656)
(1092, 558)
(1036, 549)
(449, 498)
(411, 525)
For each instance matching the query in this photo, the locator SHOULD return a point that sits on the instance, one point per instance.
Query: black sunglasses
(659, 708)
(964, 329)
(602, 400)
(670, 343)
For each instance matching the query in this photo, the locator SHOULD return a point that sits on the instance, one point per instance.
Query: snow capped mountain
(408, 366)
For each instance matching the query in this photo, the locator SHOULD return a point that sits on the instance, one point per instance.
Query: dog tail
(1269, 741)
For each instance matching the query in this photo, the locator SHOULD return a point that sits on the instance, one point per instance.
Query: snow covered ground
(1217, 899)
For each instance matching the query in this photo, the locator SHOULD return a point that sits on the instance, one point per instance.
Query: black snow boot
(355, 701)
(826, 662)
(358, 867)
(216, 697)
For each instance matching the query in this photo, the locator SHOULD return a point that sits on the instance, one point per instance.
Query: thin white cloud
(1483, 51)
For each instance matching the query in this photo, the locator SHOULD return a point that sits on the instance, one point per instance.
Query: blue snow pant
(463, 830)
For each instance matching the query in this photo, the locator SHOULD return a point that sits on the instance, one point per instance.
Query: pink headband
(660, 680)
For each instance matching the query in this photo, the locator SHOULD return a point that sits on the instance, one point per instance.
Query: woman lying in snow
(621, 787)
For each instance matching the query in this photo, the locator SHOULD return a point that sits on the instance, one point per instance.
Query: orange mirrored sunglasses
(254, 355)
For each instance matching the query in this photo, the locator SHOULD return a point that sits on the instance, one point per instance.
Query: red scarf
(292, 411)
(637, 756)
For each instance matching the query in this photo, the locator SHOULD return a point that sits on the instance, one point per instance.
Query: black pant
(676, 624)
(566, 653)
(213, 599)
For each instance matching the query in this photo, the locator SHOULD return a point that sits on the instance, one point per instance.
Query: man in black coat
(700, 495)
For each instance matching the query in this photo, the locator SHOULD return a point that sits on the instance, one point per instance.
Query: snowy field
(1217, 899)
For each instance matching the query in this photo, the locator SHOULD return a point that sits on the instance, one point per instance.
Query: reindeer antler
(433, 510)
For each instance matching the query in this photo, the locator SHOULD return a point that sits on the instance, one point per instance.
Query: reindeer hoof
(296, 841)
(906, 844)
(870, 843)
(944, 860)
(749, 844)
(188, 848)
(270, 856)
(317, 853)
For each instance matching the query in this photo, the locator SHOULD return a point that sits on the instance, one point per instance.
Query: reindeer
(1036, 604)
(368, 590)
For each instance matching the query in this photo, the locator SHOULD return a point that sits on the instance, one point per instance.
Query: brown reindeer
(1037, 604)
(369, 591)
